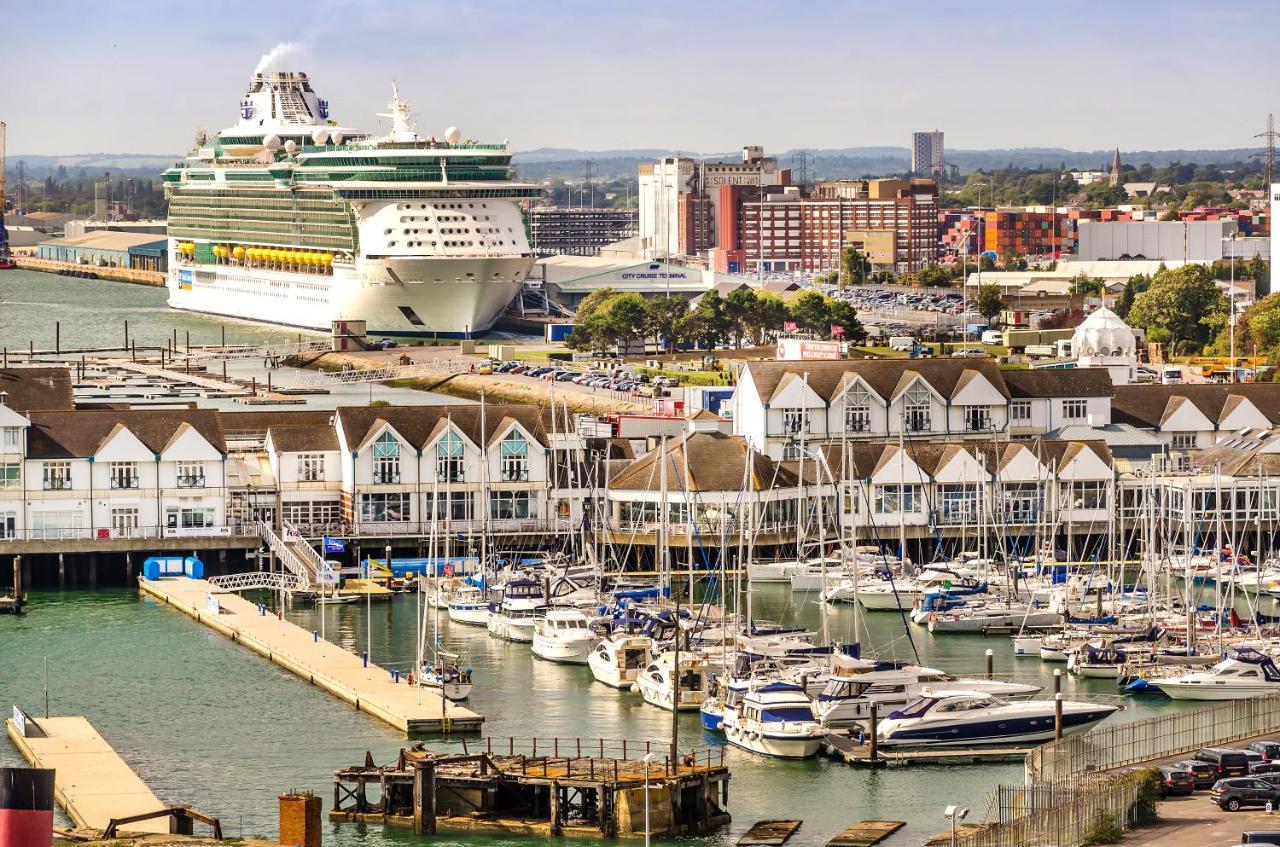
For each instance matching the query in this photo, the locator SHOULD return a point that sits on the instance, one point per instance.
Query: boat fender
(933, 617)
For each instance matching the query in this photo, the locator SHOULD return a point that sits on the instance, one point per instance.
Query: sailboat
(444, 673)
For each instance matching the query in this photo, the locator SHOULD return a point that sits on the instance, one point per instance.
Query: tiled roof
(37, 388)
(416, 424)
(304, 439)
(1059, 382)
(711, 461)
(1148, 405)
(81, 433)
(884, 376)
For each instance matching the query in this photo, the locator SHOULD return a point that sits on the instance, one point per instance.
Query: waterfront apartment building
(578, 231)
(679, 199)
(894, 221)
(927, 155)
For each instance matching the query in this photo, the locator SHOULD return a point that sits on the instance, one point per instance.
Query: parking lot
(1195, 822)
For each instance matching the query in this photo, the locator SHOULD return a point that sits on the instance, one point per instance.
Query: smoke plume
(273, 57)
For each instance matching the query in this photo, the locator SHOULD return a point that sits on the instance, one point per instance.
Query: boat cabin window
(966, 705)
(691, 681)
(917, 707)
(788, 713)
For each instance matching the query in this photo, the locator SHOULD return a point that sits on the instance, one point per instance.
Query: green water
(209, 723)
(92, 313)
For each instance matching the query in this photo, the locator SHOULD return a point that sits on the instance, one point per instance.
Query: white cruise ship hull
(418, 296)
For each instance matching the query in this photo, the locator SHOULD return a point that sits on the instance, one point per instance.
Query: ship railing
(106, 533)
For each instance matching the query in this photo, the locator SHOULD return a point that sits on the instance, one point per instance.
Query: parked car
(1175, 781)
(1269, 750)
(1264, 769)
(1228, 762)
(1203, 773)
(1261, 836)
(1234, 794)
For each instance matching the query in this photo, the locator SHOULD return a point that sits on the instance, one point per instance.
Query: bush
(1105, 830)
(1144, 807)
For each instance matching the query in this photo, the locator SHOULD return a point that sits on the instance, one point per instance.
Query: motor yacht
(517, 610)
(564, 635)
(1242, 673)
(657, 683)
(967, 718)
(618, 659)
(774, 720)
(467, 605)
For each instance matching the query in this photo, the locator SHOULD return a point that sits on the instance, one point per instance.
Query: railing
(325, 574)
(253, 580)
(381, 529)
(124, 482)
(1058, 814)
(102, 533)
(1118, 745)
(191, 481)
(300, 567)
(57, 483)
(386, 477)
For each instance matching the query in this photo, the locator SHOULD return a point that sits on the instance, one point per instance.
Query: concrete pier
(93, 784)
(342, 674)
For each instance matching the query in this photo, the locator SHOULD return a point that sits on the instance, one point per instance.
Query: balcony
(520, 474)
(451, 476)
(386, 477)
(191, 480)
(57, 483)
(124, 482)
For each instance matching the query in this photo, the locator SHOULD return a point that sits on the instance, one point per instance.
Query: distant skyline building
(679, 199)
(577, 230)
(927, 155)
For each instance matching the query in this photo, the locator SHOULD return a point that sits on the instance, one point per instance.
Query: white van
(902, 343)
(1171, 375)
(992, 336)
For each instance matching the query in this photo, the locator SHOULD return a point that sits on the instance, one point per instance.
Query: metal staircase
(292, 557)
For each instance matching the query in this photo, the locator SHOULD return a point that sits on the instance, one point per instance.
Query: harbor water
(209, 723)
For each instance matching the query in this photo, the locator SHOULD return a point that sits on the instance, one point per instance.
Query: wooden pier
(93, 784)
(540, 787)
(370, 688)
(851, 752)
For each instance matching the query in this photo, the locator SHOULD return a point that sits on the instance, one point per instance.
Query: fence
(1117, 745)
(1057, 814)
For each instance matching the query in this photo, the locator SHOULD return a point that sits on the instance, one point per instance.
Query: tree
(932, 277)
(768, 316)
(809, 311)
(989, 303)
(854, 267)
(1185, 303)
(709, 323)
(1262, 320)
(626, 318)
(842, 313)
(1259, 271)
(1134, 286)
(1083, 285)
(740, 306)
(666, 318)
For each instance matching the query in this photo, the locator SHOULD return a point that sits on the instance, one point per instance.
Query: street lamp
(955, 814)
(648, 760)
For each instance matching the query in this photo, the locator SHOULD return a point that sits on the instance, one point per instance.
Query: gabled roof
(931, 457)
(882, 375)
(36, 388)
(81, 433)
(716, 462)
(1059, 382)
(1149, 405)
(417, 424)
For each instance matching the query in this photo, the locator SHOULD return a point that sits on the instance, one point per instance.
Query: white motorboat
(564, 635)
(774, 720)
(515, 615)
(1243, 673)
(1025, 646)
(852, 689)
(446, 677)
(981, 616)
(467, 605)
(619, 659)
(773, 571)
(814, 573)
(968, 718)
(657, 683)
(880, 594)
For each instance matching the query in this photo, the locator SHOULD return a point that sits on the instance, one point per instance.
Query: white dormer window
(450, 466)
(857, 411)
(386, 459)
(916, 406)
(514, 458)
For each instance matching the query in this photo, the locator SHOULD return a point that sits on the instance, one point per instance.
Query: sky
(124, 76)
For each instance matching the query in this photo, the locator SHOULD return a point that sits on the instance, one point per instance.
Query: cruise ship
(290, 218)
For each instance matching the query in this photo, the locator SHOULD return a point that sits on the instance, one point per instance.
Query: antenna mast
(3, 184)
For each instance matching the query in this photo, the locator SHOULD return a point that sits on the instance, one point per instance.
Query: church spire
(1115, 168)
